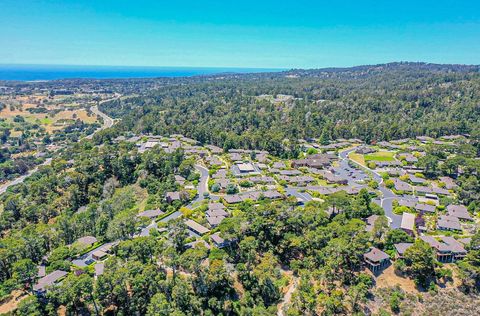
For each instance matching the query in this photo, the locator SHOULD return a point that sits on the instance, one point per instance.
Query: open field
(357, 158)
(56, 118)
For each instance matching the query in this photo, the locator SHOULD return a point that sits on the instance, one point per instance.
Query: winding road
(387, 195)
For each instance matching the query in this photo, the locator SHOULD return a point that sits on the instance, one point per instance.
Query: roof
(215, 220)
(150, 213)
(217, 239)
(216, 206)
(408, 221)
(49, 280)
(425, 207)
(401, 247)
(245, 167)
(376, 255)
(448, 222)
(87, 240)
(99, 253)
(216, 212)
(196, 227)
(459, 211)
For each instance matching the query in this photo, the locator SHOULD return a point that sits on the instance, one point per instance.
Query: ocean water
(53, 72)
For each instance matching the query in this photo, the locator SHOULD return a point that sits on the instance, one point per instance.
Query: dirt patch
(11, 304)
(388, 278)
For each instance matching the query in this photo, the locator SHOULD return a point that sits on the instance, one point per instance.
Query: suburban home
(425, 208)
(214, 149)
(150, 214)
(364, 150)
(214, 221)
(451, 223)
(218, 241)
(172, 196)
(447, 250)
(401, 185)
(401, 248)
(376, 260)
(216, 212)
(449, 183)
(87, 240)
(179, 180)
(459, 211)
(99, 255)
(333, 179)
(279, 165)
(196, 227)
(457, 248)
(408, 223)
(43, 283)
(408, 203)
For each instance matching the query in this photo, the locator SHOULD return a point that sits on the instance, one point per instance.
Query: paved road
(387, 195)
(5, 186)
(304, 197)
(202, 187)
(107, 120)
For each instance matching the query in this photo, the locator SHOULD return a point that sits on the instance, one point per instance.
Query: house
(172, 196)
(216, 212)
(364, 150)
(408, 223)
(218, 241)
(443, 251)
(196, 227)
(376, 259)
(401, 185)
(456, 247)
(43, 283)
(451, 223)
(232, 199)
(425, 208)
(150, 214)
(279, 165)
(99, 255)
(401, 248)
(87, 240)
(214, 221)
(408, 203)
(449, 183)
(416, 180)
(214, 149)
(459, 211)
(179, 180)
(333, 179)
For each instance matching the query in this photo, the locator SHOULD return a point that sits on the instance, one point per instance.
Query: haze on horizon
(250, 34)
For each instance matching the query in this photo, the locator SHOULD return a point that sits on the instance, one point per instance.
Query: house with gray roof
(376, 260)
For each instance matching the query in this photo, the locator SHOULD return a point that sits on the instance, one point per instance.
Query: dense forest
(263, 111)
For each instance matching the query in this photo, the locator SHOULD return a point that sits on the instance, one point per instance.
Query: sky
(242, 33)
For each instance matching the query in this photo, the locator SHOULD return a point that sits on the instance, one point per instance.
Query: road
(202, 187)
(387, 195)
(5, 186)
(107, 122)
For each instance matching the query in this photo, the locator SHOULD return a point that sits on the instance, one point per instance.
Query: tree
(24, 271)
(420, 262)
(159, 306)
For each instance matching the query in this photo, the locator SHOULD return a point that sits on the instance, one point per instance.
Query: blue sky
(243, 33)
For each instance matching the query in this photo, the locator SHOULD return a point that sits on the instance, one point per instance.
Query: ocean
(53, 72)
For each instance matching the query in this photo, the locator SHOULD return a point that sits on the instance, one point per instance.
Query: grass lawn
(357, 158)
(380, 156)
